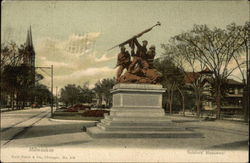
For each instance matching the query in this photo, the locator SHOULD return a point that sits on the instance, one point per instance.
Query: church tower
(29, 57)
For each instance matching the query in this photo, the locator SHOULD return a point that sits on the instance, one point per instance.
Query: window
(231, 91)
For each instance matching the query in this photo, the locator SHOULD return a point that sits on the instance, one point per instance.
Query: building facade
(232, 99)
(232, 102)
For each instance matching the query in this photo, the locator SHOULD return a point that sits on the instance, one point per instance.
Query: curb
(62, 120)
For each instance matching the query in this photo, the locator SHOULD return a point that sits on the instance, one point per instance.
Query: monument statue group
(140, 69)
(137, 98)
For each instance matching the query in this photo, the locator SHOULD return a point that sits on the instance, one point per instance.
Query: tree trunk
(100, 100)
(246, 104)
(168, 101)
(198, 107)
(218, 102)
(183, 105)
(183, 101)
(197, 101)
(246, 89)
(17, 101)
(172, 97)
(171, 101)
(12, 101)
(170, 105)
(23, 105)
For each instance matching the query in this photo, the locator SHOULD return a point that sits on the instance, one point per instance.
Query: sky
(74, 36)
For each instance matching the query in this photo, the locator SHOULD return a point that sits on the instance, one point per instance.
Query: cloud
(92, 75)
(89, 72)
(55, 63)
(80, 44)
(74, 60)
(104, 58)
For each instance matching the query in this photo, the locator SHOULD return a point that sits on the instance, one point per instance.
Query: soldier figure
(123, 61)
(141, 69)
(140, 56)
(141, 49)
(150, 56)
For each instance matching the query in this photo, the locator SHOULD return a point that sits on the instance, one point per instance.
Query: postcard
(124, 81)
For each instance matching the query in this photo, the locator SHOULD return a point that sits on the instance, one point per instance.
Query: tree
(214, 48)
(86, 94)
(10, 55)
(172, 79)
(17, 81)
(102, 89)
(107, 85)
(244, 31)
(9, 58)
(42, 94)
(99, 91)
(70, 94)
(17, 78)
(9, 83)
(180, 57)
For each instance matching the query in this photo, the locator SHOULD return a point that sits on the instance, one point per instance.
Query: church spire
(29, 41)
(29, 57)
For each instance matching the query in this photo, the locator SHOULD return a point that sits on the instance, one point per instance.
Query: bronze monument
(141, 68)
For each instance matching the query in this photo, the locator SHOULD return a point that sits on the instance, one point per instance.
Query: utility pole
(56, 99)
(52, 98)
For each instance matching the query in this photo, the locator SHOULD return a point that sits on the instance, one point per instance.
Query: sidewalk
(10, 109)
(219, 124)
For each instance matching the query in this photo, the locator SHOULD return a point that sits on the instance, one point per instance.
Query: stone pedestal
(137, 112)
(137, 100)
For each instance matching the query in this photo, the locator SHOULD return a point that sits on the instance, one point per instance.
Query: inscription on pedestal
(141, 96)
(141, 100)
(117, 100)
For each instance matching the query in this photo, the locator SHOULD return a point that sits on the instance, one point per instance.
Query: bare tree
(186, 61)
(214, 48)
(10, 54)
(172, 78)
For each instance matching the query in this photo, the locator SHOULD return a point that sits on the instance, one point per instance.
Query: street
(34, 127)
(32, 131)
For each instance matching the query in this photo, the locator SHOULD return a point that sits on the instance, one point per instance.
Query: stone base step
(136, 108)
(140, 128)
(136, 122)
(136, 118)
(138, 112)
(99, 133)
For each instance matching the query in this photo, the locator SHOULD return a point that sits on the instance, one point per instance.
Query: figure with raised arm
(123, 62)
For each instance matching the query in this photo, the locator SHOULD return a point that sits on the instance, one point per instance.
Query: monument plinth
(137, 112)
(137, 100)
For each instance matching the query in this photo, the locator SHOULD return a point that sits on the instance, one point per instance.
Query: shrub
(77, 107)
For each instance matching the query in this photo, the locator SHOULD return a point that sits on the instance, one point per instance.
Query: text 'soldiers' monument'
(137, 98)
